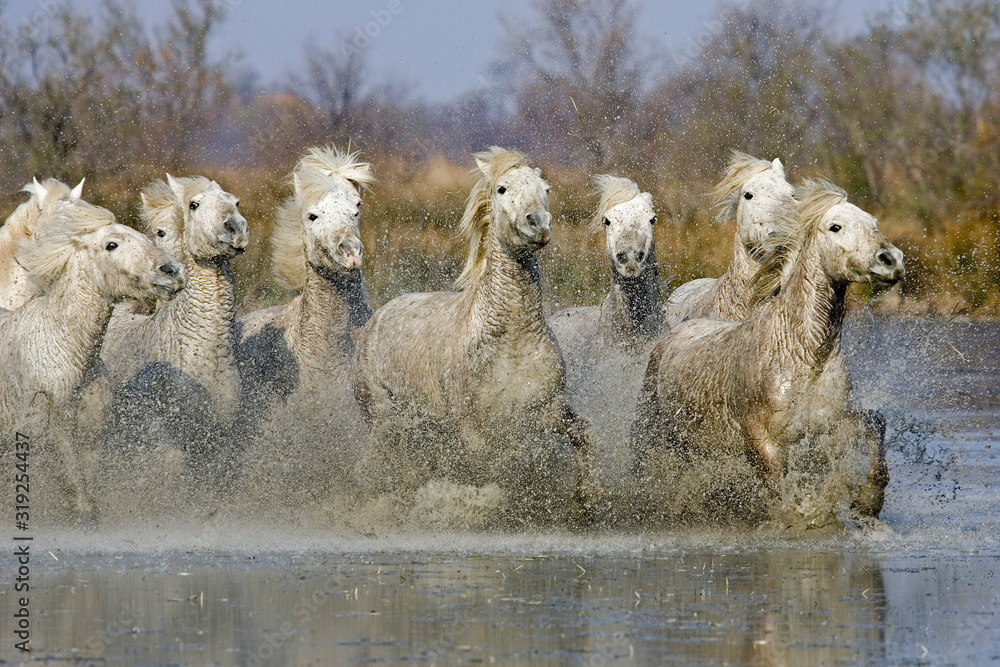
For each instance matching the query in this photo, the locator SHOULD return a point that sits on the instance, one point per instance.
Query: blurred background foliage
(904, 115)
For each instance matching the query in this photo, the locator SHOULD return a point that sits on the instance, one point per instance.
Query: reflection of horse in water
(176, 383)
(605, 347)
(296, 359)
(756, 193)
(755, 387)
(79, 264)
(469, 386)
(43, 201)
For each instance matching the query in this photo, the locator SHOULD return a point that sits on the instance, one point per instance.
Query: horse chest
(514, 377)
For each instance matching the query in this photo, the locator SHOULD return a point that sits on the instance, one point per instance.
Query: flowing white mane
(314, 176)
(492, 164)
(46, 256)
(726, 195)
(813, 199)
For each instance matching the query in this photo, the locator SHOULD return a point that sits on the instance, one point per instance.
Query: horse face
(764, 199)
(168, 239)
(629, 235)
(332, 230)
(520, 200)
(129, 266)
(213, 224)
(854, 250)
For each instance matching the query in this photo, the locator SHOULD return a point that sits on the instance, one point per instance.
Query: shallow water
(922, 589)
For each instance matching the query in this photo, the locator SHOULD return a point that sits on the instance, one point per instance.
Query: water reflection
(924, 590)
(686, 607)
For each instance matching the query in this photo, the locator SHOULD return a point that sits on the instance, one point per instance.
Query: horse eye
(111, 246)
(161, 233)
(359, 204)
(502, 189)
(312, 217)
(194, 205)
(834, 228)
(237, 203)
(748, 195)
(607, 222)
(652, 220)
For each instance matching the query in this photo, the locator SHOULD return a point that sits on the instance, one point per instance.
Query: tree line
(904, 114)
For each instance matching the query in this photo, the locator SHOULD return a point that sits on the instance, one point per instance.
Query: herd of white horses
(473, 406)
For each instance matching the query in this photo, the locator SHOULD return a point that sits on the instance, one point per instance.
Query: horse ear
(176, 187)
(778, 167)
(77, 192)
(40, 192)
(482, 165)
(538, 171)
(648, 198)
(297, 185)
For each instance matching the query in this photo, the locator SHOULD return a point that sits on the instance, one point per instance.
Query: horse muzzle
(888, 266)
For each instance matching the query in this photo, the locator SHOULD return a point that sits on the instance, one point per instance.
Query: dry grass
(410, 225)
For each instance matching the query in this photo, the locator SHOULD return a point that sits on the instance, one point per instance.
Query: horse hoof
(869, 500)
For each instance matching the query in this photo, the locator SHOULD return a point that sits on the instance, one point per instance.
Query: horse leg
(588, 487)
(72, 472)
(766, 456)
(871, 496)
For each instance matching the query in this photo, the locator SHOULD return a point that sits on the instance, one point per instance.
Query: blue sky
(441, 48)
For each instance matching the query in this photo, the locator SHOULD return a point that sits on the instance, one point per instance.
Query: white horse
(753, 388)
(756, 193)
(606, 347)
(79, 264)
(295, 360)
(42, 202)
(469, 386)
(175, 377)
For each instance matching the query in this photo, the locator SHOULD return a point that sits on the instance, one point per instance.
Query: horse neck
(75, 317)
(323, 317)
(632, 307)
(508, 300)
(730, 290)
(203, 314)
(811, 308)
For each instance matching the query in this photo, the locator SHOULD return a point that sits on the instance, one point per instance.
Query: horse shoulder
(686, 299)
(413, 347)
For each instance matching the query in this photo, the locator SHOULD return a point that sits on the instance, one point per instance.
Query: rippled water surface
(922, 589)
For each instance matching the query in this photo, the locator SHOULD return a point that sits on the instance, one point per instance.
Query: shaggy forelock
(613, 191)
(46, 256)
(331, 161)
(475, 223)
(162, 208)
(812, 200)
(726, 195)
(317, 173)
(23, 222)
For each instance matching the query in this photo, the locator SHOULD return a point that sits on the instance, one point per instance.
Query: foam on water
(926, 377)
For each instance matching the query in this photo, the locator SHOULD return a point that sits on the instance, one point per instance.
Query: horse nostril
(229, 226)
(169, 269)
(621, 257)
(886, 259)
(640, 255)
(532, 219)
